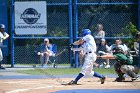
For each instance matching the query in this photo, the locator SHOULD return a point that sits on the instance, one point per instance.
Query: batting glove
(71, 45)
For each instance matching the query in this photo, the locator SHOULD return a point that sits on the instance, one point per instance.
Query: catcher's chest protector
(122, 58)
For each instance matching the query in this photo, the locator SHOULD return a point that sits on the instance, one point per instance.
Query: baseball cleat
(72, 82)
(120, 79)
(136, 78)
(103, 80)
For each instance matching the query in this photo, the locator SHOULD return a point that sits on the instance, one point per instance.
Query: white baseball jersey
(89, 47)
(2, 36)
(1, 42)
(89, 44)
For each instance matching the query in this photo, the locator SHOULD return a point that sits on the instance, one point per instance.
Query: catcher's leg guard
(120, 78)
(131, 74)
(136, 69)
(117, 67)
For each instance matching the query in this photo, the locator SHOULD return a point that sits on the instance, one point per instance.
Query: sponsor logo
(30, 16)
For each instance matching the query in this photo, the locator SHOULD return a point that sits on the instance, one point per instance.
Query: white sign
(30, 18)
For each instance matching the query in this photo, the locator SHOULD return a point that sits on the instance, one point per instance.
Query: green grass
(63, 71)
(39, 64)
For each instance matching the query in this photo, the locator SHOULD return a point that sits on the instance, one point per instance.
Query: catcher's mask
(117, 50)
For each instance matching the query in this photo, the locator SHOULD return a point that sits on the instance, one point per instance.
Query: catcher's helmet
(2, 26)
(118, 50)
(86, 32)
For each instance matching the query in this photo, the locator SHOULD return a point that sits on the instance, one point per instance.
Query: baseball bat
(107, 56)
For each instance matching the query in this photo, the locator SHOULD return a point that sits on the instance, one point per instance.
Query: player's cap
(103, 39)
(2, 26)
(46, 39)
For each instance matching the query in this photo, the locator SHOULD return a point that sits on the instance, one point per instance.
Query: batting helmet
(86, 32)
(2, 26)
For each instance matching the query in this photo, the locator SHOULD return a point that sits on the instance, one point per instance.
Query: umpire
(3, 36)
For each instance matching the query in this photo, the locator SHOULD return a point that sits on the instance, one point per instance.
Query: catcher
(123, 64)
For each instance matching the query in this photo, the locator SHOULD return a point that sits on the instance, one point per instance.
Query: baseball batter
(89, 49)
(3, 36)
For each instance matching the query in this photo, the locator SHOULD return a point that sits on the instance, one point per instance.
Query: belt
(88, 52)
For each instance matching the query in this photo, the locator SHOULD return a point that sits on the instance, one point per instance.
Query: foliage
(130, 27)
(131, 30)
(58, 32)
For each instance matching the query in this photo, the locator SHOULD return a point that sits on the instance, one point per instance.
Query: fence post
(139, 28)
(70, 30)
(12, 33)
(76, 30)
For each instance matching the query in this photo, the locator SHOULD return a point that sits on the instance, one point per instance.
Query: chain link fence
(116, 16)
(57, 32)
(26, 55)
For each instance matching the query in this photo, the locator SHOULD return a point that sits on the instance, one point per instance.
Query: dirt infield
(54, 85)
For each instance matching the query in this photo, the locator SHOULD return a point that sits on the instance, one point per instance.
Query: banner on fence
(30, 18)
